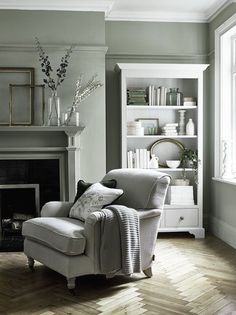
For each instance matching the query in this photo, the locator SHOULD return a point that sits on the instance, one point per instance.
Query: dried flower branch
(48, 70)
(82, 92)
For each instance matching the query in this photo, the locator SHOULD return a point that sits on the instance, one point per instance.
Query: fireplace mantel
(29, 141)
(72, 130)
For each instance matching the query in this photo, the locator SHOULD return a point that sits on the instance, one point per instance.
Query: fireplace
(45, 156)
(25, 186)
(18, 203)
(44, 172)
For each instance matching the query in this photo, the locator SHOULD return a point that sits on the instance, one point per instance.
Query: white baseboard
(224, 231)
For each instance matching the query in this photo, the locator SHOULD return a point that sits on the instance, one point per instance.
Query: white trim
(106, 7)
(174, 16)
(193, 67)
(157, 16)
(58, 5)
(215, 10)
(219, 32)
(224, 231)
(231, 181)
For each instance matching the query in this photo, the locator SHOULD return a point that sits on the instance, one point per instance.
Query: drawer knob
(181, 218)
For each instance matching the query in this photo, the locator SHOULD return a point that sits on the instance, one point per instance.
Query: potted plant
(189, 159)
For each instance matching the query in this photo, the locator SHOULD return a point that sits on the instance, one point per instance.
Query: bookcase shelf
(163, 137)
(189, 79)
(180, 206)
(168, 169)
(160, 107)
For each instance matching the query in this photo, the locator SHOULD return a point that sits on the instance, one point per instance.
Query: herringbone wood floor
(190, 277)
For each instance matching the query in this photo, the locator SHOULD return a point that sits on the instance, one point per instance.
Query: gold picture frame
(170, 140)
(33, 107)
(12, 76)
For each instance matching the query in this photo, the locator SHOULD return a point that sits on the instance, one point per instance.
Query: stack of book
(138, 159)
(190, 101)
(134, 128)
(170, 129)
(136, 96)
(156, 95)
(180, 195)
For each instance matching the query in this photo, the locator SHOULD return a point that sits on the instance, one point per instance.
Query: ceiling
(131, 10)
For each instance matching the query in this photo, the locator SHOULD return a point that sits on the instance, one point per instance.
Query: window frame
(225, 92)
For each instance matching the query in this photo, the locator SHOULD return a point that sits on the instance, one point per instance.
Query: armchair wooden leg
(71, 285)
(148, 272)
(30, 263)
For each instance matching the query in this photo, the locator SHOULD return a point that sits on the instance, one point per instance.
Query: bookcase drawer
(181, 218)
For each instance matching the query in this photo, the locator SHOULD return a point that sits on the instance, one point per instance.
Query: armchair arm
(95, 217)
(56, 209)
(149, 213)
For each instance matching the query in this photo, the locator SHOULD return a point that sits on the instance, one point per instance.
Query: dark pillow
(82, 186)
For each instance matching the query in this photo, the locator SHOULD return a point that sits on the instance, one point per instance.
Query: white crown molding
(152, 16)
(58, 5)
(216, 9)
(110, 15)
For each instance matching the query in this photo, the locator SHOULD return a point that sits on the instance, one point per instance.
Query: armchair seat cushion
(62, 234)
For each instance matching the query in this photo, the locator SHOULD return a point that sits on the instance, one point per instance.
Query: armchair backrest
(143, 189)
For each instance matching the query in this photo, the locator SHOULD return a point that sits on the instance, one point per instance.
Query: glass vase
(174, 97)
(72, 117)
(53, 118)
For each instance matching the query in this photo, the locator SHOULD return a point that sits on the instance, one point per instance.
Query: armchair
(71, 247)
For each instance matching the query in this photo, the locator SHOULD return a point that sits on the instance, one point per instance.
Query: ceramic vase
(190, 128)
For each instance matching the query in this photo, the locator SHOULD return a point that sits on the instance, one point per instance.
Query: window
(225, 99)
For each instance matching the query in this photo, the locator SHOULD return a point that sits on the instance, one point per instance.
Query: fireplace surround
(23, 151)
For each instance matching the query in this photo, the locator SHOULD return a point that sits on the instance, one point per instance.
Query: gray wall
(222, 195)
(18, 29)
(151, 42)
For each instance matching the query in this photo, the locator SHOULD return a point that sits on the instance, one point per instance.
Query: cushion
(95, 198)
(82, 186)
(62, 234)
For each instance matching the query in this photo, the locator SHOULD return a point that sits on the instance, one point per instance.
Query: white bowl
(173, 163)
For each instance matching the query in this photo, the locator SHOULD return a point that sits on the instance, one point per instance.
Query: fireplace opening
(18, 203)
(25, 186)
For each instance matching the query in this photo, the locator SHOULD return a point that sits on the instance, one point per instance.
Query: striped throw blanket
(120, 241)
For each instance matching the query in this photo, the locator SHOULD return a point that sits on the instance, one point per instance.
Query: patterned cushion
(82, 186)
(93, 199)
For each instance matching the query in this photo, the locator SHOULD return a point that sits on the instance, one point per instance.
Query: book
(137, 159)
(163, 91)
(169, 128)
(158, 95)
(171, 124)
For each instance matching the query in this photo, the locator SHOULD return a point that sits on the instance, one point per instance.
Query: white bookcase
(189, 79)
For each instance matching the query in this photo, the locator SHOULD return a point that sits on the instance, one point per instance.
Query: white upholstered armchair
(72, 247)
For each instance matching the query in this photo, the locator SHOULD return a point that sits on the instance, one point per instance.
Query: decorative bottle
(53, 118)
(190, 128)
(153, 163)
(174, 97)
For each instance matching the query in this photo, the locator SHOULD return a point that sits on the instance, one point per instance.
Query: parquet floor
(190, 277)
